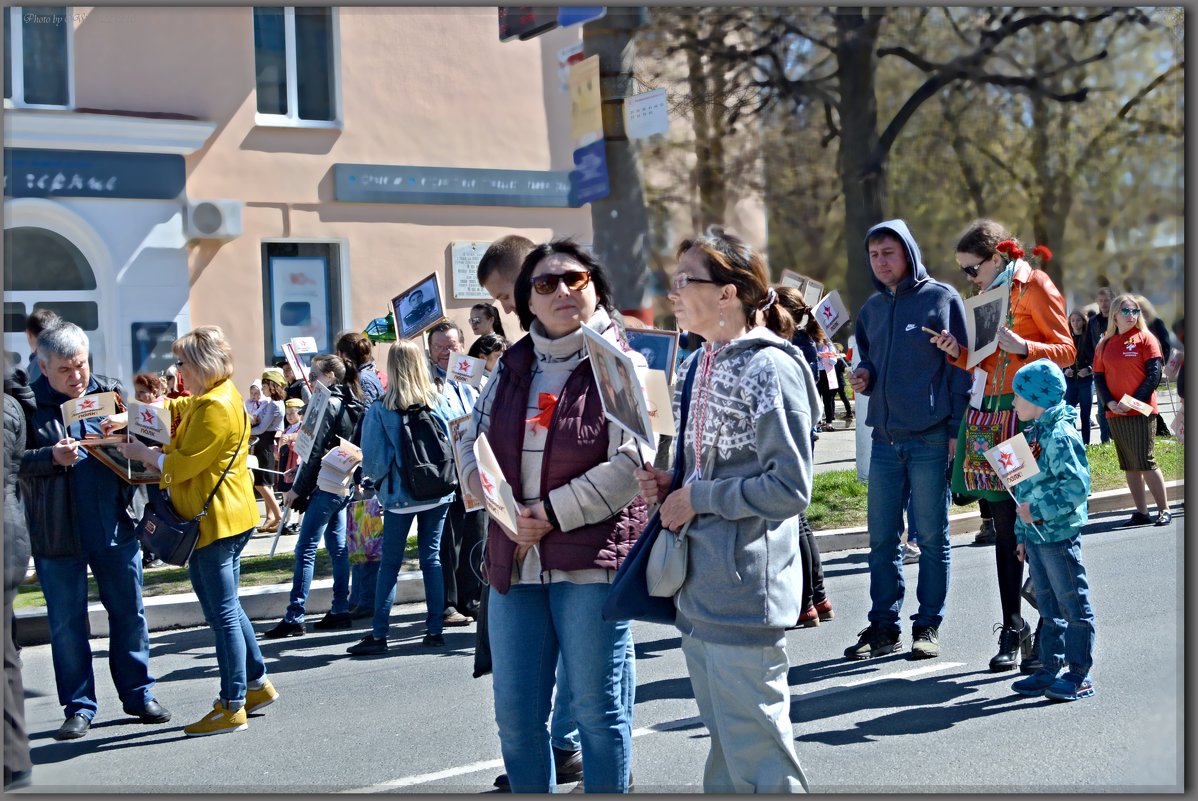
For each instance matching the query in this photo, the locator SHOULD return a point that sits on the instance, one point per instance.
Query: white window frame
(16, 60)
(292, 119)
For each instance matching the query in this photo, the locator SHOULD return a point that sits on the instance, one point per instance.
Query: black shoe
(285, 629)
(568, 765)
(334, 620)
(502, 784)
(1163, 518)
(874, 641)
(1010, 642)
(434, 640)
(369, 646)
(152, 712)
(73, 728)
(1031, 664)
(925, 642)
(987, 535)
(360, 612)
(1137, 519)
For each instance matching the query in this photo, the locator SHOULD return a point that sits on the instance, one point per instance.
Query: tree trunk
(862, 171)
(620, 221)
(707, 124)
(1054, 196)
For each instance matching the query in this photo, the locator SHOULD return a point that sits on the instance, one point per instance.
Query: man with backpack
(461, 545)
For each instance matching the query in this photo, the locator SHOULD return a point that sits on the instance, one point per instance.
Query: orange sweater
(1039, 317)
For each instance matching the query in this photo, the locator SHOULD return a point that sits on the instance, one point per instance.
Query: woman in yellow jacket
(210, 429)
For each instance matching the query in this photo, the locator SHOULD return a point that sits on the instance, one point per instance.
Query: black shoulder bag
(171, 537)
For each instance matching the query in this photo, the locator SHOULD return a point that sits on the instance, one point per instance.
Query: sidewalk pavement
(835, 450)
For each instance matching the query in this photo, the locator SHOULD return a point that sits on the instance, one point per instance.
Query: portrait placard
(658, 346)
(457, 428)
(497, 493)
(623, 397)
(984, 315)
(107, 450)
(318, 404)
(418, 308)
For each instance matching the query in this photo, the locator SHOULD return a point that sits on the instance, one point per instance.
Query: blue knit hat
(1040, 382)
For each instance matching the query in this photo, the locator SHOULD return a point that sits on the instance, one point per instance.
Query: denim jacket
(381, 457)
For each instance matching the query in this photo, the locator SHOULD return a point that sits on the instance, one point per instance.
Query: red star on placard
(488, 485)
(88, 405)
(147, 417)
(1007, 458)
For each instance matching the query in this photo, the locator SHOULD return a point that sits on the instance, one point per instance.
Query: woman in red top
(1127, 361)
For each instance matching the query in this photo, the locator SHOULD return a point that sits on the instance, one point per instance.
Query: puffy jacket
(48, 489)
(382, 461)
(340, 420)
(209, 429)
(1059, 493)
(16, 532)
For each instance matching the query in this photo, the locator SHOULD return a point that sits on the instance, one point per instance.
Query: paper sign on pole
(101, 404)
(304, 344)
(812, 291)
(297, 364)
(466, 369)
(318, 404)
(586, 104)
(497, 493)
(457, 428)
(1138, 405)
(984, 314)
(831, 313)
(1012, 460)
(646, 114)
(620, 389)
(792, 279)
(150, 421)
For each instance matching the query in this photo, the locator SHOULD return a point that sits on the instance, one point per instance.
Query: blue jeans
(529, 626)
(912, 531)
(563, 731)
(215, 572)
(429, 525)
(914, 467)
(325, 515)
(362, 579)
(118, 577)
(1080, 392)
(1063, 595)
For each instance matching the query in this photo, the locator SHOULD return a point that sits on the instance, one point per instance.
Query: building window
(295, 60)
(303, 295)
(38, 62)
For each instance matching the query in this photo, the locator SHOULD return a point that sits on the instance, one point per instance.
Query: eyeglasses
(478, 320)
(547, 283)
(1130, 312)
(972, 269)
(682, 280)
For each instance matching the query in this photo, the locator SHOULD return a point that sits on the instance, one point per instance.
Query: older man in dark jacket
(18, 401)
(78, 514)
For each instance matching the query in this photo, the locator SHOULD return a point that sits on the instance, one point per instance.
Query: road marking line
(656, 728)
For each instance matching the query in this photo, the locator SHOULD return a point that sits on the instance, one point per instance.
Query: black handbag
(165, 533)
(629, 598)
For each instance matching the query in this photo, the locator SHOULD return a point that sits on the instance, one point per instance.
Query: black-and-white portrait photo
(418, 308)
(984, 315)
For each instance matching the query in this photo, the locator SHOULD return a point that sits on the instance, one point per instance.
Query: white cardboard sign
(466, 369)
(646, 114)
(831, 313)
(150, 421)
(497, 493)
(99, 404)
(1012, 460)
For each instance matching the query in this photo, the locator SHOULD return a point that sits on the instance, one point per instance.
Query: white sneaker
(910, 554)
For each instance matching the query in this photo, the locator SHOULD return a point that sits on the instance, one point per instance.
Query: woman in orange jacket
(211, 431)
(1035, 328)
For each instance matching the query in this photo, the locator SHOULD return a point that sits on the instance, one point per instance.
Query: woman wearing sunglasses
(571, 472)
(484, 319)
(1035, 328)
(1127, 361)
(747, 468)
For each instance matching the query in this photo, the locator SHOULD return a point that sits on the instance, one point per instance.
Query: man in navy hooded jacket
(916, 400)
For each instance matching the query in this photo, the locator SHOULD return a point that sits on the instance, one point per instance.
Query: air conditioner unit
(212, 219)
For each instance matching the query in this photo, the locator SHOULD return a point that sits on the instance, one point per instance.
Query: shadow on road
(929, 706)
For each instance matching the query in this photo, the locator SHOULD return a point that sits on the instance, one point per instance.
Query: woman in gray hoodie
(748, 469)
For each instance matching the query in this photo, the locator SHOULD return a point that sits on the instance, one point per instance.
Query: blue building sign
(589, 181)
(85, 173)
(452, 186)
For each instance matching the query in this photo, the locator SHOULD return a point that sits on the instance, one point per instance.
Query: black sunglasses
(972, 269)
(547, 283)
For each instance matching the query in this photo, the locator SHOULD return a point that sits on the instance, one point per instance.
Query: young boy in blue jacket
(1052, 510)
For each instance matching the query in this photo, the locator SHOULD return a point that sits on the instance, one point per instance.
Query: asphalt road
(415, 721)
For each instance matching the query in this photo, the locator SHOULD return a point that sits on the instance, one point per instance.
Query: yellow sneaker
(218, 721)
(263, 696)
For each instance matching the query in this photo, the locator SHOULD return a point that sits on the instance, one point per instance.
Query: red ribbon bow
(546, 403)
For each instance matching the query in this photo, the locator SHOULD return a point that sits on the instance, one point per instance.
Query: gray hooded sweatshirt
(744, 576)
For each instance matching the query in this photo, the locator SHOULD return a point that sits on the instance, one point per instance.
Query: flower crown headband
(1011, 251)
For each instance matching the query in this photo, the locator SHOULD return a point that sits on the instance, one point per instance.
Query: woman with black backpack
(323, 495)
(407, 453)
